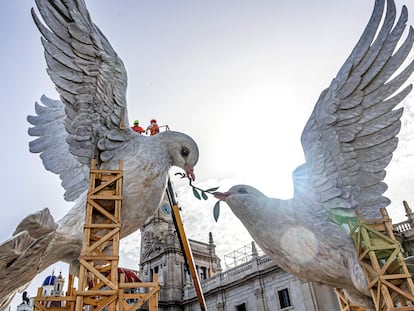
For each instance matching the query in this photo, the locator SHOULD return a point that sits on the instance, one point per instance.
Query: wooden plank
(98, 274)
(38, 306)
(102, 226)
(395, 276)
(399, 290)
(111, 178)
(102, 240)
(391, 259)
(102, 211)
(108, 292)
(124, 305)
(96, 252)
(79, 302)
(386, 296)
(135, 296)
(109, 196)
(95, 171)
(138, 285)
(102, 257)
(56, 298)
(379, 234)
(106, 302)
(82, 274)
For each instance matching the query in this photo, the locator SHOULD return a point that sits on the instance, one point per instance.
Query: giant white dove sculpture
(348, 142)
(86, 122)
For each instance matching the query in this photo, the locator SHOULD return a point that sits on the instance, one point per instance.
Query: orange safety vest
(154, 129)
(137, 129)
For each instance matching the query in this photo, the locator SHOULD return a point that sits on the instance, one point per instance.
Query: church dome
(49, 280)
(130, 275)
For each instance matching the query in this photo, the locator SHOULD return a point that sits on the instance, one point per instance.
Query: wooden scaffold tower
(381, 257)
(100, 285)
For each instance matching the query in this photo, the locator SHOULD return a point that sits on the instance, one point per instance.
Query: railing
(256, 264)
(263, 260)
(402, 226)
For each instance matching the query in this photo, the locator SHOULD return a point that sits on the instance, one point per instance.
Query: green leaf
(204, 195)
(211, 189)
(216, 210)
(196, 194)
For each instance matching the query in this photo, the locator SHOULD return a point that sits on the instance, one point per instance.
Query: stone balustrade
(231, 275)
(402, 226)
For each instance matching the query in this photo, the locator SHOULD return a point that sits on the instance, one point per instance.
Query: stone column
(260, 303)
(308, 296)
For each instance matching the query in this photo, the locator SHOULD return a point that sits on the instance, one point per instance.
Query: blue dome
(49, 280)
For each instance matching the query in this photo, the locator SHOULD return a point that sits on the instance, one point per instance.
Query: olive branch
(202, 194)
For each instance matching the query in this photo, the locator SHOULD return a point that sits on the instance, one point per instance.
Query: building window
(284, 298)
(203, 274)
(152, 272)
(241, 307)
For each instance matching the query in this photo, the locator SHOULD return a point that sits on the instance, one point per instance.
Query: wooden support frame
(41, 303)
(344, 303)
(100, 286)
(381, 257)
(98, 274)
(131, 301)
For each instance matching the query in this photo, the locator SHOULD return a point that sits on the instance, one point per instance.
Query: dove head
(182, 149)
(238, 190)
(244, 201)
(239, 196)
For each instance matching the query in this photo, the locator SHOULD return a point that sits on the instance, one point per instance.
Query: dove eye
(185, 152)
(242, 190)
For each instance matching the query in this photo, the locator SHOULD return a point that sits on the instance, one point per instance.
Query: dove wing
(91, 81)
(352, 132)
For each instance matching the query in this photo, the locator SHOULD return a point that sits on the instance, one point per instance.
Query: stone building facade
(405, 232)
(161, 253)
(256, 285)
(260, 285)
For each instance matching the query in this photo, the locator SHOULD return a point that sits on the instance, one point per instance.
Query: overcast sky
(241, 77)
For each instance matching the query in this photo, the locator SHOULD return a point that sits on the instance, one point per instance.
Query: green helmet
(136, 122)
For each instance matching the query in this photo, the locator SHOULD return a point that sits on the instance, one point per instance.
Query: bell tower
(58, 286)
(161, 253)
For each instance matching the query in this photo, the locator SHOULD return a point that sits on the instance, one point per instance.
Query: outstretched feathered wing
(351, 134)
(91, 81)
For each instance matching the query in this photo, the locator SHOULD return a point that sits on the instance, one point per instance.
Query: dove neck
(265, 208)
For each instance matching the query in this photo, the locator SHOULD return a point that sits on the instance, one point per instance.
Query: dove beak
(189, 170)
(221, 195)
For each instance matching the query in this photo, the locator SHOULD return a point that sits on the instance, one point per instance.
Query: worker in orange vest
(137, 128)
(153, 127)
